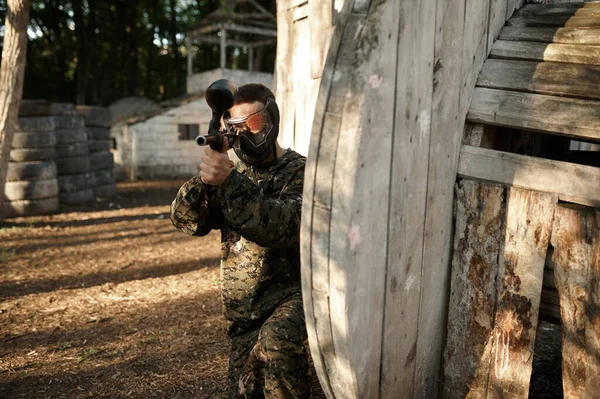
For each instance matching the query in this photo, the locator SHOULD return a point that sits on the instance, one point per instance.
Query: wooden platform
(543, 72)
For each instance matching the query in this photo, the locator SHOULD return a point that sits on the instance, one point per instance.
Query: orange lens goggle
(253, 123)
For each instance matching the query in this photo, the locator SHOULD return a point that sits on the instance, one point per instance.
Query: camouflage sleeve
(195, 210)
(268, 221)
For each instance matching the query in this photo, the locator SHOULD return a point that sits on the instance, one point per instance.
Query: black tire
(102, 161)
(98, 133)
(77, 197)
(64, 136)
(109, 191)
(102, 178)
(35, 124)
(32, 154)
(31, 190)
(95, 116)
(99, 145)
(42, 170)
(47, 206)
(68, 122)
(35, 108)
(64, 109)
(69, 150)
(72, 165)
(34, 140)
(73, 183)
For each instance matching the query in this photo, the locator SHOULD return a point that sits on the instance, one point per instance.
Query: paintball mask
(256, 133)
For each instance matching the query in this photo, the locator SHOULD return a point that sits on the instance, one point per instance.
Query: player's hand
(216, 166)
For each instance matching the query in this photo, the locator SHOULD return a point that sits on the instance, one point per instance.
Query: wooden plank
(447, 125)
(579, 10)
(573, 80)
(570, 117)
(315, 270)
(474, 48)
(477, 239)
(565, 5)
(497, 18)
(413, 85)
(576, 241)
(569, 53)
(321, 28)
(521, 266)
(551, 35)
(360, 196)
(299, 13)
(530, 172)
(555, 20)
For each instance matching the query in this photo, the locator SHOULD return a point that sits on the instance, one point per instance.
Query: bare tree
(12, 71)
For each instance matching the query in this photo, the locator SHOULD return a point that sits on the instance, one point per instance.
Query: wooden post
(223, 51)
(479, 214)
(527, 235)
(576, 259)
(188, 46)
(12, 71)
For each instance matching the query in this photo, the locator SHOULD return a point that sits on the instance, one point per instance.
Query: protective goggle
(256, 123)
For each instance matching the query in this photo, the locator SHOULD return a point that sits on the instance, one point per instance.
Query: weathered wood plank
(521, 266)
(576, 237)
(533, 51)
(477, 239)
(530, 172)
(497, 18)
(564, 116)
(316, 209)
(321, 28)
(474, 48)
(565, 4)
(300, 12)
(413, 86)
(529, 11)
(447, 124)
(551, 35)
(555, 20)
(361, 195)
(553, 78)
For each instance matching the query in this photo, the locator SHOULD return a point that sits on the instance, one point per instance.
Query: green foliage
(97, 51)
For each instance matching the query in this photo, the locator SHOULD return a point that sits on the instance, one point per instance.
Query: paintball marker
(219, 97)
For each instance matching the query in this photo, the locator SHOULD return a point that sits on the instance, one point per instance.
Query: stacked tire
(98, 121)
(31, 182)
(72, 159)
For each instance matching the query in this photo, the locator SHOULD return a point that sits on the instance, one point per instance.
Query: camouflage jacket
(258, 213)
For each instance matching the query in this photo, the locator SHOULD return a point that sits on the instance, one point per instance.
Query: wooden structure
(256, 28)
(526, 244)
(396, 86)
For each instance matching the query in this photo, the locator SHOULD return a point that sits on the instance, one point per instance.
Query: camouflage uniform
(258, 213)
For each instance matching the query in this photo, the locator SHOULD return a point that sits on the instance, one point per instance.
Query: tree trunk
(12, 71)
(133, 49)
(82, 56)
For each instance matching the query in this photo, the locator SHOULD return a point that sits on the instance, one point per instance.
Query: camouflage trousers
(271, 361)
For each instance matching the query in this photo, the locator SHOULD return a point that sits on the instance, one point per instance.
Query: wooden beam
(555, 20)
(529, 172)
(569, 53)
(528, 11)
(576, 242)
(236, 43)
(558, 115)
(477, 240)
(572, 80)
(521, 267)
(574, 5)
(232, 27)
(551, 35)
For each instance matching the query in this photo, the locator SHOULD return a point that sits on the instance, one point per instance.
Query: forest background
(98, 51)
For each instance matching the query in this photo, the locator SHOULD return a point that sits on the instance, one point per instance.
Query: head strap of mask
(253, 152)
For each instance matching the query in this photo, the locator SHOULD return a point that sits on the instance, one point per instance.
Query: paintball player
(256, 204)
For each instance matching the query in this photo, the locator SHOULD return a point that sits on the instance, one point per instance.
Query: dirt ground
(109, 300)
